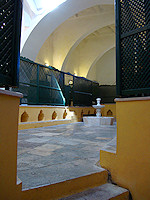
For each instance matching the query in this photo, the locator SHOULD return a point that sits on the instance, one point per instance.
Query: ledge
(81, 106)
(43, 106)
(132, 99)
(10, 93)
(37, 122)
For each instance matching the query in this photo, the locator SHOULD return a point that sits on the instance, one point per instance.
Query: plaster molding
(132, 99)
(10, 93)
(42, 106)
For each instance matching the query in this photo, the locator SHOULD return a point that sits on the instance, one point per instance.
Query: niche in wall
(81, 113)
(24, 117)
(54, 115)
(41, 115)
(109, 113)
(65, 114)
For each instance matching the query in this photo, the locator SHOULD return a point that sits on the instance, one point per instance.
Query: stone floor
(53, 154)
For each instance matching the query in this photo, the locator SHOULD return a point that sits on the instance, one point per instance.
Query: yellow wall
(10, 185)
(34, 111)
(47, 112)
(130, 166)
(9, 108)
(74, 114)
(111, 107)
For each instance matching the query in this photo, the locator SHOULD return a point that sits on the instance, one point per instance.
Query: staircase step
(104, 192)
(68, 187)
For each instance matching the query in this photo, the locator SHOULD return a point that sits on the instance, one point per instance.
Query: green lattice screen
(133, 47)
(10, 26)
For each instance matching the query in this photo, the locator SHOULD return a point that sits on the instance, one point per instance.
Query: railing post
(38, 90)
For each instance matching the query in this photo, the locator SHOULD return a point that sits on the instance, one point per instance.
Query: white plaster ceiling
(85, 26)
(34, 40)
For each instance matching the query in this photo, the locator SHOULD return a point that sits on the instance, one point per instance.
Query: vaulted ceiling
(79, 37)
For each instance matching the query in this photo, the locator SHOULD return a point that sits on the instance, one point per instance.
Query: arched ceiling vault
(98, 58)
(52, 20)
(103, 69)
(104, 18)
(60, 44)
(85, 55)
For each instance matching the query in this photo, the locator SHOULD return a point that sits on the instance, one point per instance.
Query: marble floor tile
(37, 140)
(52, 154)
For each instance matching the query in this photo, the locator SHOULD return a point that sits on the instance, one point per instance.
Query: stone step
(104, 192)
(68, 187)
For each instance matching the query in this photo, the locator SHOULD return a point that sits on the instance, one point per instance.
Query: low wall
(109, 110)
(11, 187)
(9, 108)
(40, 116)
(130, 165)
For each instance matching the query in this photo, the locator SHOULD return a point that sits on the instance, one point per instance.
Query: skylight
(41, 6)
(33, 12)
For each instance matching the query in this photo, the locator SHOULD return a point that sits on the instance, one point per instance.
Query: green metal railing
(39, 84)
(43, 85)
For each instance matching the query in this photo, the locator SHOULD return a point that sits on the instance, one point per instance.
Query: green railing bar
(44, 86)
(32, 84)
(52, 88)
(30, 61)
(83, 93)
(37, 84)
(33, 103)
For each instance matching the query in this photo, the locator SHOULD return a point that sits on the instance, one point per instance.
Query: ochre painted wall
(40, 116)
(9, 108)
(47, 112)
(130, 166)
(107, 109)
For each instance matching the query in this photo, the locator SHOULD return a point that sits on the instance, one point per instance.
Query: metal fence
(133, 47)
(43, 85)
(82, 91)
(39, 84)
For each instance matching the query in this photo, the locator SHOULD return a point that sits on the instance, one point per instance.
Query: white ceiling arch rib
(85, 54)
(52, 20)
(80, 40)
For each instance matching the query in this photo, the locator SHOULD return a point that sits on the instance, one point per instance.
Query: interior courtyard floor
(54, 154)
